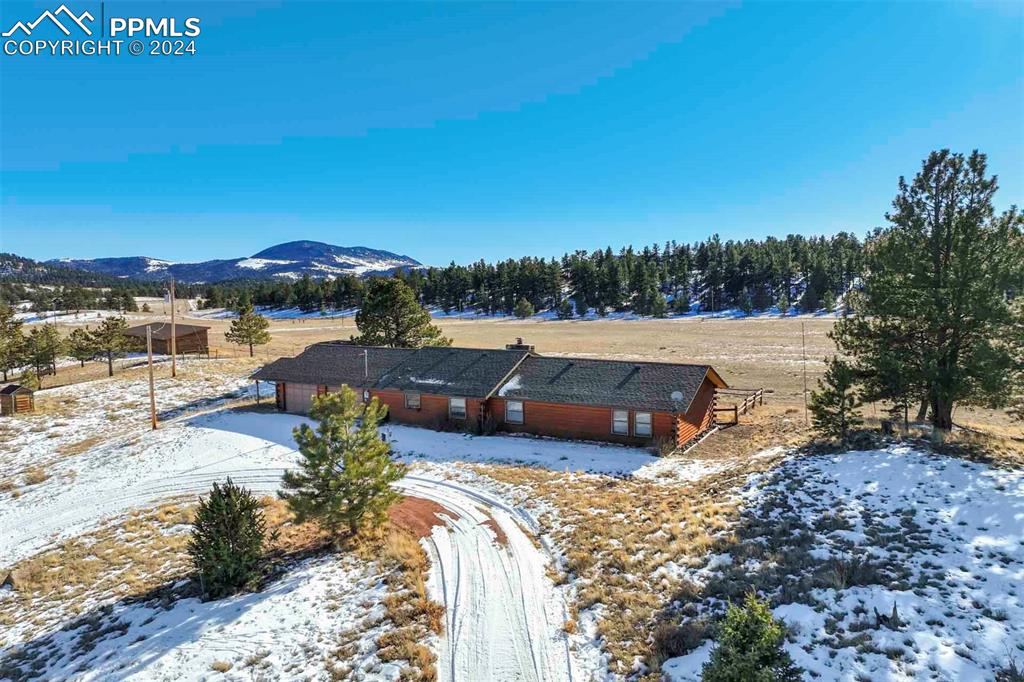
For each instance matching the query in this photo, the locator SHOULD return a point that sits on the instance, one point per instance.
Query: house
(16, 399)
(189, 338)
(512, 390)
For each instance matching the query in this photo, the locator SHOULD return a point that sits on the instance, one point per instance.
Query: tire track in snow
(502, 610)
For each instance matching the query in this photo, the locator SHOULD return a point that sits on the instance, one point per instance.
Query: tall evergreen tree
(345, 469)
(43, 345)
(391, 316)
(110, 340)
(12, 341)
(940, 277)
(81, 345)
(834, 405)
(249, 329)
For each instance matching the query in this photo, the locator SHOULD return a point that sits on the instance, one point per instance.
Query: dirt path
(503, 616)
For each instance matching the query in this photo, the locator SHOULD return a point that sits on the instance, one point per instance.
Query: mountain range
(290, 260)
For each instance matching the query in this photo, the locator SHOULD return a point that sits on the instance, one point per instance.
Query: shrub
(750, 647)
(228, 534)
(676, 640)
(1011, 673)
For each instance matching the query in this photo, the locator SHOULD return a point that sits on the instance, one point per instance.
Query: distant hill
(290, 260)
(27, 271)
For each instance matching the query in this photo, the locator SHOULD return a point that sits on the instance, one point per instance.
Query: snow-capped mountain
(291, 260)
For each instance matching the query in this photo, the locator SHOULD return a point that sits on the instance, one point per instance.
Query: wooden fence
(752, 397)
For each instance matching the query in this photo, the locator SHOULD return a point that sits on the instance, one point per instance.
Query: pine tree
(744, 303)
(939, 280)
(228, 536)
(659, 308)
(146, 308)
(12, 341)
(110, 340)
(750, 647)
(81, 345)
(784, 304)
(828, 302)
(249, 329)
(833, 406)
(42, 347)
(524, 309)
(391, 316)
(345, 469)
(564, 311)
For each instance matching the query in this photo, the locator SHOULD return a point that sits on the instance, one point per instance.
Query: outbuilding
(189, 338)
(16, 399)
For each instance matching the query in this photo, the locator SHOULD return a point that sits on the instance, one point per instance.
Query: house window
(412, 401)
(321, 390)
(642, 424)
(366, 396)
(620, 422)
(457, 408)
(514, 411)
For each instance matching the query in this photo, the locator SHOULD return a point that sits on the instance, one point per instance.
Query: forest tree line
(807, 272)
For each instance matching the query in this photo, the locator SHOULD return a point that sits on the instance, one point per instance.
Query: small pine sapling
(228, 536)
(750, 647)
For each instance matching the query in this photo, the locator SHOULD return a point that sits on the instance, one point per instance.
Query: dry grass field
(755, 352)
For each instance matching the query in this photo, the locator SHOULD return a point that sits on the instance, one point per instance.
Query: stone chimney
(519, 345)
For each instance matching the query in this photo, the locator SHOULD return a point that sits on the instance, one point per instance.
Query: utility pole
(152, 389)
(803, 343)
(366, 364)
(174, 345)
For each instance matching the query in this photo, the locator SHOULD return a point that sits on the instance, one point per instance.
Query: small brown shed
(189, 338)
(16, 399)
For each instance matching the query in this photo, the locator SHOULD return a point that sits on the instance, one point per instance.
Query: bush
(523, 309)
(228, 534)
(750, 647)
(677, 640)
(1011, 673)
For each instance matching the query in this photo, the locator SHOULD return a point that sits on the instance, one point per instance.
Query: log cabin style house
(512, 390)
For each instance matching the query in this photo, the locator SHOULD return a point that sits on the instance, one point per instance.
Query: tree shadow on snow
(123, 638)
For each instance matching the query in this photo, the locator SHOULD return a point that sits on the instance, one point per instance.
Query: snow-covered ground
(494, 631)
(940, 539)
(286, 630)
(70, 316)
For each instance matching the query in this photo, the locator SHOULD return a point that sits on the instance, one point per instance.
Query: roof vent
(519, 345)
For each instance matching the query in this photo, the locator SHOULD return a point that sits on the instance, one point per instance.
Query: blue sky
(463, 131)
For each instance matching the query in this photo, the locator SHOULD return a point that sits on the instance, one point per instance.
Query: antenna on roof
(366, 364)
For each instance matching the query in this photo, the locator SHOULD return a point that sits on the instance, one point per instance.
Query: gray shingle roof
(334, 364)
(10, 389)
(451, 371)
(581, 381)
(474, 372)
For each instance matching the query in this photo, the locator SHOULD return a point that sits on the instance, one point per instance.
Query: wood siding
(579, 422)
(700, 416)
(432, 412)
(17, 403)
(559, 420)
